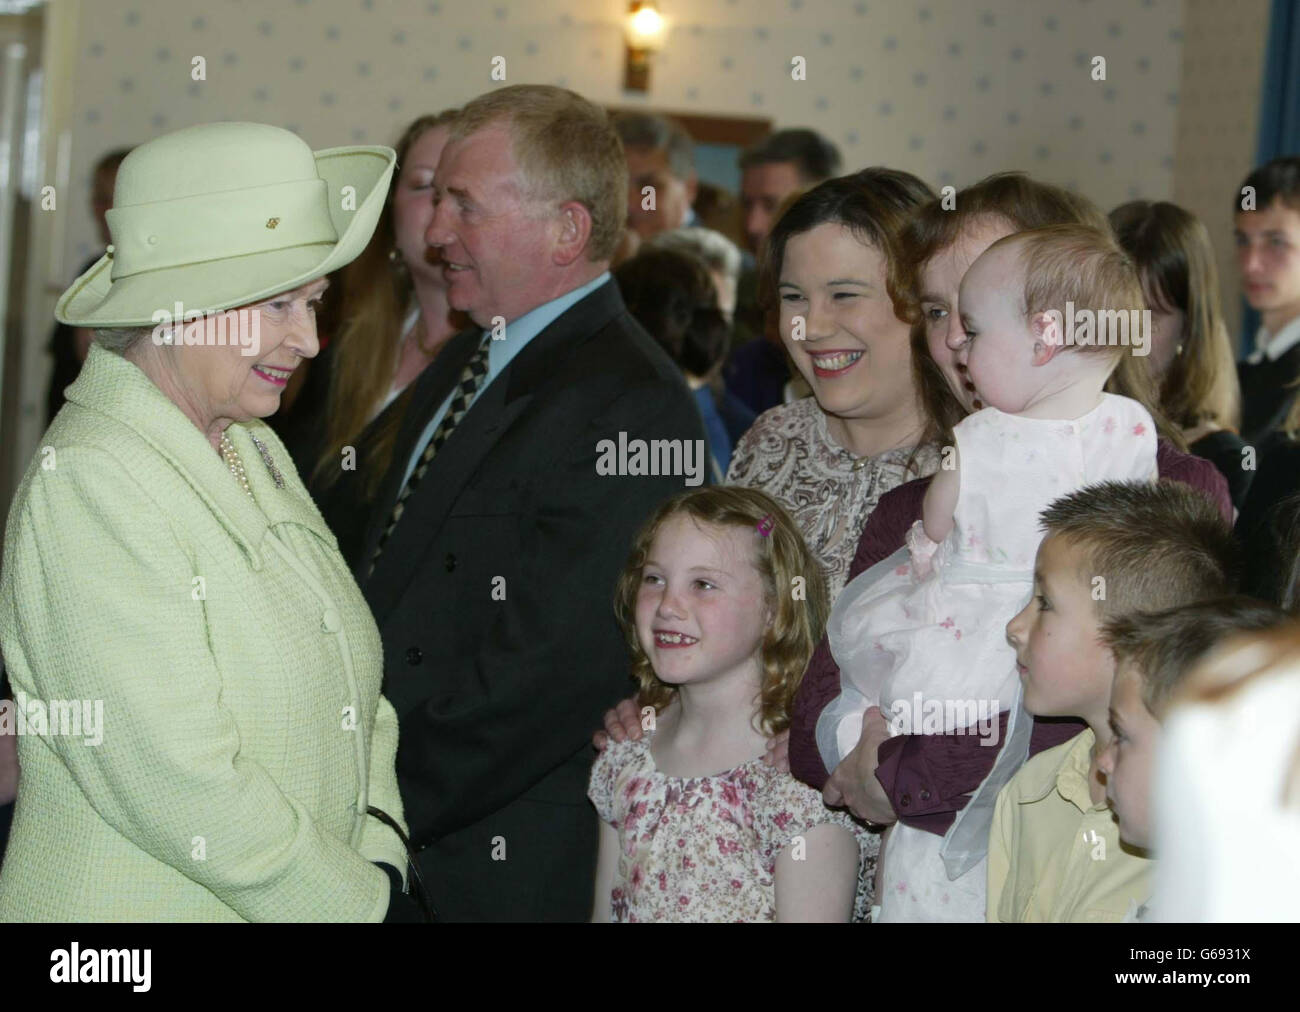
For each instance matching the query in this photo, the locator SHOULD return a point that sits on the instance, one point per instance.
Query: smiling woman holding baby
(163, 556)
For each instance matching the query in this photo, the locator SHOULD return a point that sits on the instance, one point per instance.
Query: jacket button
(413, 655)
(905, 800)
(925, 795)
(449, 562)
(331, 622)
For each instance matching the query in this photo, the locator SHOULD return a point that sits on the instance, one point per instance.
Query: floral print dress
(700, 848)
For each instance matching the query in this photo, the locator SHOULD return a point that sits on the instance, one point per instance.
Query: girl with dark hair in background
(1191, 355)
(393, 318)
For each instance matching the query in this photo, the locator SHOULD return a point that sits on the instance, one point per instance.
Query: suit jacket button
(449, 562)
(925, 795)
(413, 655)
(905, 800)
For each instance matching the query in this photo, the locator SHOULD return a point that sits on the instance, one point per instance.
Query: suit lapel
(491, 415)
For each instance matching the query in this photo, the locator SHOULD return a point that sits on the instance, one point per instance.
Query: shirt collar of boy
(1274, 346)
(1069, 778)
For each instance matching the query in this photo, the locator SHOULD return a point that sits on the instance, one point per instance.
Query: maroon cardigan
(930, 777)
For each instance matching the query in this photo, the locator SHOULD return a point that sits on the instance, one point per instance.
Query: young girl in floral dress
(722, 604)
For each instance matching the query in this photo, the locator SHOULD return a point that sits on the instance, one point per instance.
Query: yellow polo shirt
(1053, 854)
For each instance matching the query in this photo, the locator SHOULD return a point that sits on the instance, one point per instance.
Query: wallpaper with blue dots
(948, 89)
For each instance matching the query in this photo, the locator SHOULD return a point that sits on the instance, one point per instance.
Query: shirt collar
(533, 322)
(536, 319)
(1069, 779)
(1276, 345)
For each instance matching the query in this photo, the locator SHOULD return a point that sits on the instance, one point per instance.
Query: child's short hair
(1078, 264)
(1275, 180)
(1155, 544)
(1164, 646)
(780, 556)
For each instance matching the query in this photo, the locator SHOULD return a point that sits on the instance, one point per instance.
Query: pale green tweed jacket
(244, 734)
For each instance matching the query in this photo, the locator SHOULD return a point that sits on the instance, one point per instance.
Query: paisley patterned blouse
(789, 454)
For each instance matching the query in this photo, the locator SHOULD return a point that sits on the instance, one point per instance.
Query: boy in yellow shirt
(1110, 550)
(1154, 652)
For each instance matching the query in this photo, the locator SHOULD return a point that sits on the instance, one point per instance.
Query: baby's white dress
(923, 635)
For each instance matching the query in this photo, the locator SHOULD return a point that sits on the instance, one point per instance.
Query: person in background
(1268, 253)
(1227, 816)
(722, 259)
(718, 253)
(394, 319)
(1190, 354)
(661, 155)
(1268, 256)
(68, 345)
(1154, 653)
(1270, 515)
(788, 162)
(772, 174)
(671, 294)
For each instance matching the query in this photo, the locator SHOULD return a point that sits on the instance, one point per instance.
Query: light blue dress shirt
(500, 353)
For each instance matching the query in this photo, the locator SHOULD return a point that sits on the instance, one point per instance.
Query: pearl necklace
(231, 456)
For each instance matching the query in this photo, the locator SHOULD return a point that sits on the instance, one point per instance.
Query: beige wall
(949, 89)
(1218, 123)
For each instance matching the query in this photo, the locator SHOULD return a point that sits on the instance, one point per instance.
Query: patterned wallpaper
(1223, 67)
(948, 89)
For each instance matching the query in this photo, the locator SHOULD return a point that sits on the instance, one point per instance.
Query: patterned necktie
(471, 380)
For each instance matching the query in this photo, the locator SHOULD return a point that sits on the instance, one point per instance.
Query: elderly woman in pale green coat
(163, 560)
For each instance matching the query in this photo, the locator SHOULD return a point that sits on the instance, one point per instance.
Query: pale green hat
(223, 214)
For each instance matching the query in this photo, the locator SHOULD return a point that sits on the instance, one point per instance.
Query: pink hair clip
(765, 525)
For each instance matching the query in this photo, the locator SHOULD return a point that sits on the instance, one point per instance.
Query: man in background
(786, 162)
(775, 170)
(1268, 255)
(660, 154)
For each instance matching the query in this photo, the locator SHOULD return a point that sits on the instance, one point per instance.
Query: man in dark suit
(491, 562)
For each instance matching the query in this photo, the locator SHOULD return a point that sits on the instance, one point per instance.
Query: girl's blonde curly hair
(794, 591)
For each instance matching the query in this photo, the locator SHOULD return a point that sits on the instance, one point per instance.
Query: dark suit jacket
(498, 698)
(1266, 394)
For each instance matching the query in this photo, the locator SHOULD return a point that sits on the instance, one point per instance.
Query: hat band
(219, 226)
